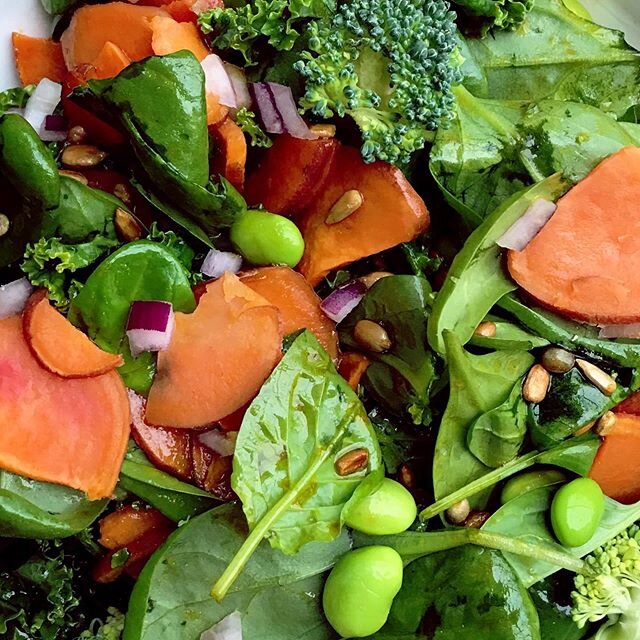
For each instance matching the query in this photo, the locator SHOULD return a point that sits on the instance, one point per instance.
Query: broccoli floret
(609, 587)
(483, 15)
(388, 64)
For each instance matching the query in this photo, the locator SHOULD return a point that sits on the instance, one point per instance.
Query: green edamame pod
(529, 481)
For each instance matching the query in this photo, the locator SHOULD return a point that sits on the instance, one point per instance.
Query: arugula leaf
(526, 519)
(401, 378)
(32, 509)
(278, 596)
(477, 385)
(446, 592)
(303, 420)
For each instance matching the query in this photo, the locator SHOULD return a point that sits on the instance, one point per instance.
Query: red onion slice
(239, 84)
(229, 628)
(13, 297)
(278, 110)
(216, 263)
(620, 331)
(223, 444)
(341, 302)
(528, 226)
(150, 326)
(217, 80)
(43, 103)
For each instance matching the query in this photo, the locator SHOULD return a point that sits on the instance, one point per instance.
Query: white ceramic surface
(26, 16)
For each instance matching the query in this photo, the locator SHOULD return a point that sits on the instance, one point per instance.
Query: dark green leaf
(15, 98)
(508, 336)
(56, 7)
(277, 595)
(120, 558)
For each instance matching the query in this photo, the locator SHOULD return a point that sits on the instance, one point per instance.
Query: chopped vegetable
(278, 112)
(352, 367)
(217, 263)
(110, 62)
(150, 326)
(217, 80)
(14, 296)
(58, 346)
(37, 59)
(343, 300)
(169, 36)
(127, 523)
(230, 156)
(218, 359)
(41, 105)
(526, 228)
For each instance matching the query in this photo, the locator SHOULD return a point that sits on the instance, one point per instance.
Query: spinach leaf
(572, 335)
(30, 184)
(477, 385)
(508, 336)
(161, 104)
(401, 378)
(554, 55)
(495, 437)
(468, 588)
(575, 454)
(175, 499)
(15, 98)
(526, 519)
(56, 7)
(305, 418)
(462, 303)
(277, 595)
(571, 403)
(32, 509)
(142, 270)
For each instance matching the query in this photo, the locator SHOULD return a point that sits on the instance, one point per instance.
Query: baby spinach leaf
(461, 303)
(175, 499)
(32, 509)
(496, 436)
(468, 588)
(478, 384)
(142, 270)
(305, 418)
(571, 403)
(526, 519)
(15, 98)
(56, 7)
(575, 454)
(508, 336)
(401, 378)
(572, 335)
(277, 595)
(555, 55)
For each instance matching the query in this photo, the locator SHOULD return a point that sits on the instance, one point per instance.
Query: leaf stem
(485, 482)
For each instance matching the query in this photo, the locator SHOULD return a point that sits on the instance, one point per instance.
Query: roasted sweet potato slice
(230, 156)
(391, 213)
(110, 62)
(170, 36)
(123, 526)
(352, 367)
(298, 303)
(69, 432)
(38, 58)
(584, 263)
(219, 357)
(58, 346)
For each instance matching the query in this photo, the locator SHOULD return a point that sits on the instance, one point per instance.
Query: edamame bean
(265, 238)
(387, 510)
(359, 591)
(576, 511)
(529, 481)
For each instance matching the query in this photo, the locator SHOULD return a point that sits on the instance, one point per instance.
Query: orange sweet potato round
(584, 263)
(58, 346)
(218, 359)
(70, 432)
(170, 36)
(298, 303)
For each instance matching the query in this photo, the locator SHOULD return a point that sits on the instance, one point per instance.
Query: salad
(321, 320)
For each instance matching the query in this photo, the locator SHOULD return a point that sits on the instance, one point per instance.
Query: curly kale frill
(483, 15)
(388, 64)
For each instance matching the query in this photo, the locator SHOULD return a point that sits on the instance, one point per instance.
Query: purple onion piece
(266, 107)
(217, 80)
(286, 106)
(13, 297)
(528, 226)
(216, 263)
(56, 123)
(150, 326)
(630, 331)
(239, 84)
(341, 302)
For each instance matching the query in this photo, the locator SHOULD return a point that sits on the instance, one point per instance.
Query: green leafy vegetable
(277, 595)
(402, 377)
(32, 509)
(246, 120)
(496, 436)
(142, 270)
(15, 98)
(461, 303)
(56, 7)
(477, 384)
(483, 15)
(508, 336)
(305, 418)
(468, 588)
(111, 629)
(622, 15)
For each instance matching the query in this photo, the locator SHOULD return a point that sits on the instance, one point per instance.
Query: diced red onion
(278, 110)
(223, 444)
(216, 263)
(341, 302)
(229, 628)
(528, 226)
(217, 80)
(239, 84)
(150, 326)
(136, 407)
(43, 103)
(13, 297)
(620, 330)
